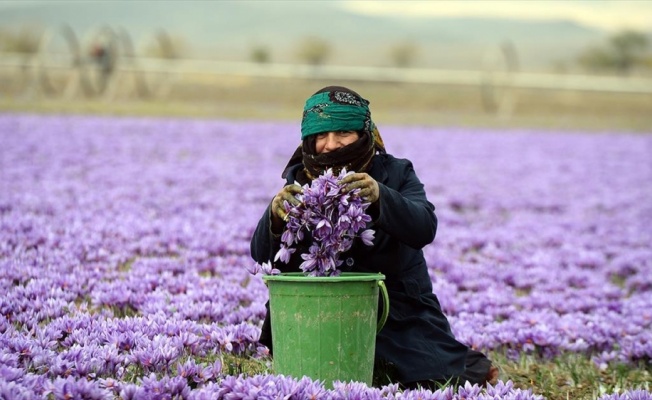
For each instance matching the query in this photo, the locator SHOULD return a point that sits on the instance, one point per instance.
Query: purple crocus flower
(331, 218)
(115, 231)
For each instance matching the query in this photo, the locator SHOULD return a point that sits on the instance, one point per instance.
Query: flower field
(124, 253)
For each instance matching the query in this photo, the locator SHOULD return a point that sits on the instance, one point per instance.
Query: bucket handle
(385, 314)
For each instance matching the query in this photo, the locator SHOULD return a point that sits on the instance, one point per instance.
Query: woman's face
(326, 142)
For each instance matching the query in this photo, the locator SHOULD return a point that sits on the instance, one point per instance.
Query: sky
(611, 15)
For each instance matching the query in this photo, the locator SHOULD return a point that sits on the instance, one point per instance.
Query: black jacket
(416, 337)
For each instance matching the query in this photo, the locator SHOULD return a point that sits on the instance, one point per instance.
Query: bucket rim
(343, 277)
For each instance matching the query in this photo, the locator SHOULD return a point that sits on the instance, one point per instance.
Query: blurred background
(583, 65)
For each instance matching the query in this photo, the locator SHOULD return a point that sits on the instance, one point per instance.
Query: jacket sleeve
(405, 213)
(264, 244)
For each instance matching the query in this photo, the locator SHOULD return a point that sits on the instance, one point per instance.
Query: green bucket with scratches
(325, 327)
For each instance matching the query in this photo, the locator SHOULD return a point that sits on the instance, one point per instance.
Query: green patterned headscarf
(335, 111)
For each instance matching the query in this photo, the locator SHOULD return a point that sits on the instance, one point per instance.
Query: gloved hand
(369, 190)
(286, 194)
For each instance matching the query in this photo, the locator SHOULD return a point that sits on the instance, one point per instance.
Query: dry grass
(237, 97)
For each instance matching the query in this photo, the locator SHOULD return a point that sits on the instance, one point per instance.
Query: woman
(415, 346)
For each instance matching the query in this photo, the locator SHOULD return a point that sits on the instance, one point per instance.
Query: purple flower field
(124, 252)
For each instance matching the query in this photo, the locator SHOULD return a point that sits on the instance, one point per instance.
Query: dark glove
(278, 210)
(369, 190)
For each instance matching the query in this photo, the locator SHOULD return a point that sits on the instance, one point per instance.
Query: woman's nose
(331, 142)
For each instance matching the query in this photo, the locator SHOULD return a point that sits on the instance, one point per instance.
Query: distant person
(416, 346)
(103, 56)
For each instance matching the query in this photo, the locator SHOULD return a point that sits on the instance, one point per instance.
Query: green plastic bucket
(325, 327)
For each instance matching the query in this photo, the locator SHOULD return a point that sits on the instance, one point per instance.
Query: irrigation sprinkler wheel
(59, 62)
(24, 76)
(156, 81)
(497, 90)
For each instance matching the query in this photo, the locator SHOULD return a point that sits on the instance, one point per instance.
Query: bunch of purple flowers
(332, 217)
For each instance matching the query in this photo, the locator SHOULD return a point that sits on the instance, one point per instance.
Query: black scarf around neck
(354, 157)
